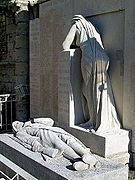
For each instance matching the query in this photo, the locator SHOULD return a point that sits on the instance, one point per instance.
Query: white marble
(97, 97)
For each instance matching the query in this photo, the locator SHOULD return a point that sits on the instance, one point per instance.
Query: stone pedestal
(54, 168)
(111, 144)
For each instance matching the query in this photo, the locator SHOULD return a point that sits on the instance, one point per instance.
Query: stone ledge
(11, 169)
(105, 145)
(58, 168)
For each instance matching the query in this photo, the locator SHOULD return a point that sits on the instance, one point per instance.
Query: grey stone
(22, 29)
(120, 157)
(21, 79)
(69, 102)
(21, 69)
(21, 55)
(35, 85)
(58, 168)
(129, 75)
(112, 146)
(56, 16)
(22, 16)
(22, 42)
(82, 7)
(11, 169)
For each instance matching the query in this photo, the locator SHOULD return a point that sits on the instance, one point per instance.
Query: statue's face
(17, 125)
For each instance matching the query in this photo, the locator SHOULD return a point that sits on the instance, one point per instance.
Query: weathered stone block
(129, 69)
(21, 79)
(90, 7)
(22, 16)
(21, 55)
(22, 29)
(11, 169)
(22, 42)
(35, 69)
(57, 168)
(21, 69)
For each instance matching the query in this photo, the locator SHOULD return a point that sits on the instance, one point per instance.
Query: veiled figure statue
(97, 97)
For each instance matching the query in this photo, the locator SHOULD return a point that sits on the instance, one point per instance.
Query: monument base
(113, 145)
(57, 168)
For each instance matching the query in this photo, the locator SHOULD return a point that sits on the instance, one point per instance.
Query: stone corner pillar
(129, 75)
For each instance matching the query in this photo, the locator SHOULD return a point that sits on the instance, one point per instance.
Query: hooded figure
(97, 96)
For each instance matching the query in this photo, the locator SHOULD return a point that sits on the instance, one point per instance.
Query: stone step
(10, 169)
(57, 168)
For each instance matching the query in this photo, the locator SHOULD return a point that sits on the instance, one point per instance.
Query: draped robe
(97, 97)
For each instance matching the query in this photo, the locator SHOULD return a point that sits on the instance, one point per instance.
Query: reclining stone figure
(39, 135)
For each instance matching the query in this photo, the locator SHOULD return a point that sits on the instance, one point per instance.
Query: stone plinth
(70, 111)
(57, 168)
(110, 145)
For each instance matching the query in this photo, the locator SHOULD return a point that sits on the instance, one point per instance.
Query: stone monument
(85, 96)
(53, 89)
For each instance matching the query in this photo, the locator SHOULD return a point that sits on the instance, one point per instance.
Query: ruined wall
(14, 53)
(22, 61)
(7, 51)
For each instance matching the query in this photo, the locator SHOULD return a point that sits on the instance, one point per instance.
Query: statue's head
(76, 18)
(17, 125)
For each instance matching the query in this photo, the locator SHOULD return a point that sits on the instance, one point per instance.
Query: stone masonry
(14, 53)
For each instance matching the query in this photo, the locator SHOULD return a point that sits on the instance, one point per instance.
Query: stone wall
(22, 60)
(55, 20)
(7, 52)
(14, 53)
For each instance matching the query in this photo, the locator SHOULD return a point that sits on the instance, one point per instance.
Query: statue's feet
(80, 166)
(89, 159)
(87, 124)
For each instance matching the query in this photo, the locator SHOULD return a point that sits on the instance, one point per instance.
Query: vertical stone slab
(129, 69)
(64, 88)
(76, 88)
(70, 88)
(95, 7)
(35, 68)
(46, 51)
(53, 31)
